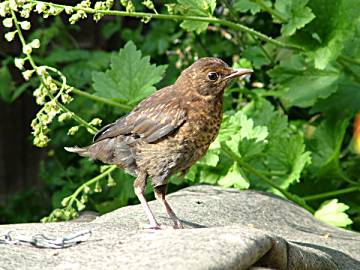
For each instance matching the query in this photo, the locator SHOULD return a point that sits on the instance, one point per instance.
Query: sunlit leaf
(201, 8)
(235, 178)
(333, 212)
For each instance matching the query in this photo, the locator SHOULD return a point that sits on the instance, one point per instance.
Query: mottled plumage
(167, 132)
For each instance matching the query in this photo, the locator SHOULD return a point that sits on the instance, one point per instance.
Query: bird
(167, 132)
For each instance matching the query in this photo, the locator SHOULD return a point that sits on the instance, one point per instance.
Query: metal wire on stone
(42, 241)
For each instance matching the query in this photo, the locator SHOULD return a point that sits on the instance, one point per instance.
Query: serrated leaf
(263, 113)
(288, 161)
(343, 31)
(201, 8)
(303, 85)
(326, 146)
(192, 173)
(235, 178)
(211, 158)
(209, 176)
(295, 13)
(346, 99)
(266, 142)
(78, 64)
(257, 56)
(248, 5)
(334, 26)
(247, 148)
(242, 126)
(130, 77)
(333, 212)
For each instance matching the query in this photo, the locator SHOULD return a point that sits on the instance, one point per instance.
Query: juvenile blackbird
(168, 131)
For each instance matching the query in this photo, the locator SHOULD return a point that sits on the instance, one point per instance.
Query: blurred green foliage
(287, 130)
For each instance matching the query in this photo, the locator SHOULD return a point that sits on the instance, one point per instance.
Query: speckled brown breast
(188, 144)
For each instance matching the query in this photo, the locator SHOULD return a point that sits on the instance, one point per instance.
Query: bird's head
(209, 76)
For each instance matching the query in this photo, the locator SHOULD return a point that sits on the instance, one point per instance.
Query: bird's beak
(239, 72)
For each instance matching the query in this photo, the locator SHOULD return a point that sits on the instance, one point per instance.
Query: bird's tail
(78, 150)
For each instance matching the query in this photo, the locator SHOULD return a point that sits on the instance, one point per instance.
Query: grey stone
(225, 229)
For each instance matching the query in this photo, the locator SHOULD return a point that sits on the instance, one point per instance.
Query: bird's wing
(151, 120)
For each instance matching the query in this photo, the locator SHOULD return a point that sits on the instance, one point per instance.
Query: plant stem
(77, 118)
(88, 183)
(102, 100)
(97, 98)
(349, 59)
(251, 169)
(212, 20)
(344, 64)
(271, 11)
(265, 179)
(331, 193)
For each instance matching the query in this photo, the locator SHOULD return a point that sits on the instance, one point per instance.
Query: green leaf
(160, 37)
(209, 176)
(343, 31)
(263, 138)
(192, 173)
(211, 158)
(130, 77)
(303, 85)
(235, 178)
(326, 146)
(262, 112)
(241, 126)
(248, 5)
(346, 99)
(295, 13)
(201, 8)
(334, 26)
(78, 64)
(288, 161)
(257, 56)
(332, 212)
(243, 138)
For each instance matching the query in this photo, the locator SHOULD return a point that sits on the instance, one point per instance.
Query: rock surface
(225, 229)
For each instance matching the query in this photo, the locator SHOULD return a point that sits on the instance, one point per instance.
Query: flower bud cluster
(61, 215)
(106, 5)
(45, 9)
(149, 4)
(128, 4)
(80, 14)
(42, 120)
(46, 95)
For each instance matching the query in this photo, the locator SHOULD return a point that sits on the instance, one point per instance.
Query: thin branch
(331, 193)
(347, 68)
(264, 178)
(271, 11)
(212, 20)
(350, 60)
(88, 183)
(97, 98)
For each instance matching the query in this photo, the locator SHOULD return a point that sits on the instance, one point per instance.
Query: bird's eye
(213, 76)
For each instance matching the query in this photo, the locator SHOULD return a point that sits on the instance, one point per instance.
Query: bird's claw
(178, 225)
(154, 227)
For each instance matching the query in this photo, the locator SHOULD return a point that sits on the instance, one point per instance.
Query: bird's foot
(178, 225)
(155, 227)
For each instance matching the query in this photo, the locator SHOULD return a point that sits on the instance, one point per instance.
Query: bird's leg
(139, 187)
(160, 192)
